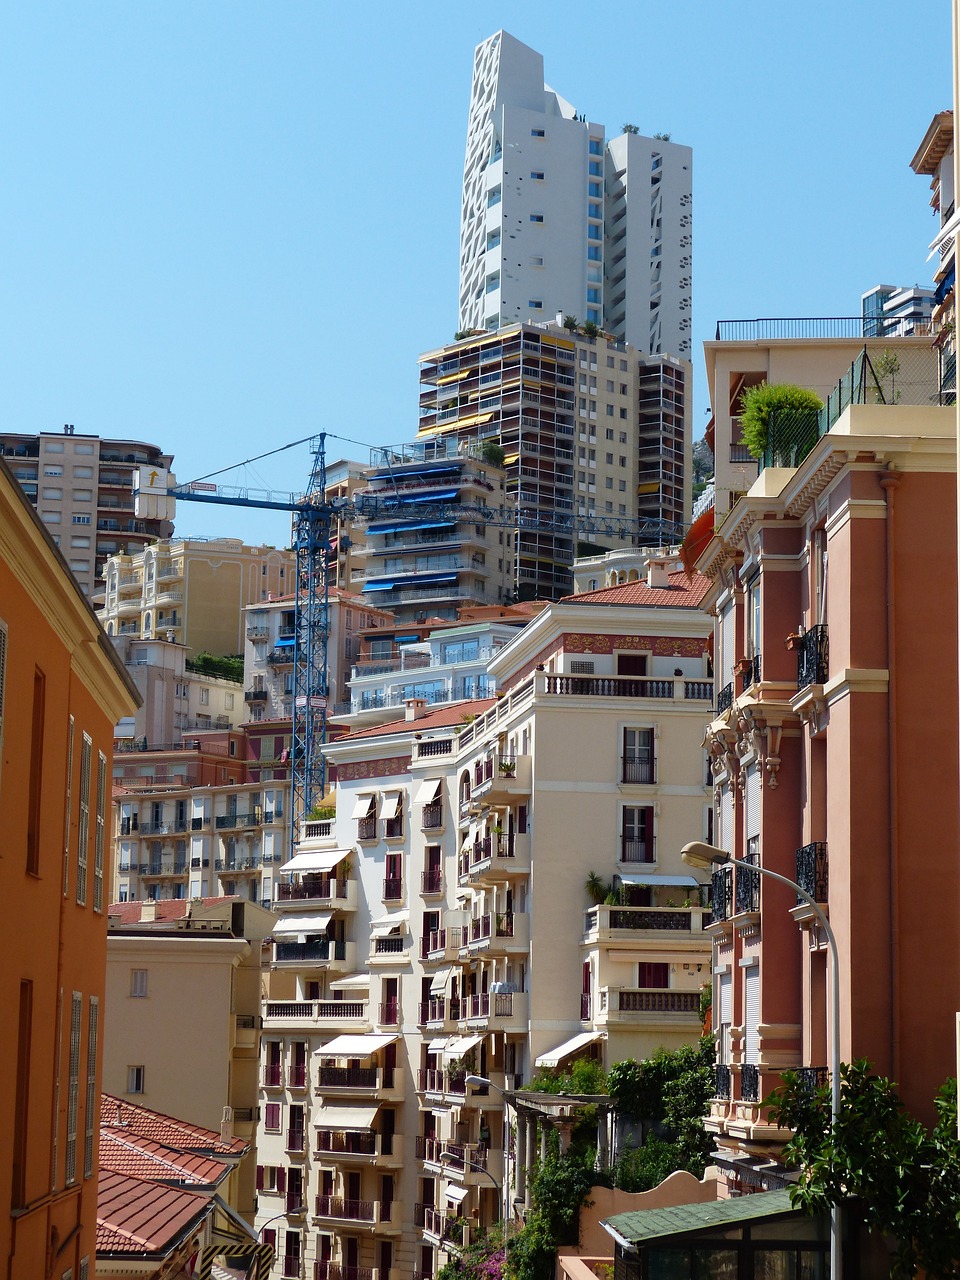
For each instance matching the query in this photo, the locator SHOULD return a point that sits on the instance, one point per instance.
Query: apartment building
(935, 158)
(181, 838)
(588, 427)
(823, 742)
(82, 488)
(555, 219)
(269, 644)
(192, 591)
(893, 310)
(210, 947)
(462, 845)
(344, 478)
(414, 564)
(61, 690)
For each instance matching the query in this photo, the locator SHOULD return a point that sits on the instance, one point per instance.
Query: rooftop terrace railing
(786, 328)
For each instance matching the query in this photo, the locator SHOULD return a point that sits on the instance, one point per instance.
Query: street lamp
(705, 857)
(481, 1082)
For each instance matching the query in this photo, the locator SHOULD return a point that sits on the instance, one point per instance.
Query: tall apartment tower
(554, 219)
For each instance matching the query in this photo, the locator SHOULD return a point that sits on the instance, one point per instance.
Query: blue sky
(227, 224)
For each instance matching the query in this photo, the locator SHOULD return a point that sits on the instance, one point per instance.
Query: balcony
(350, 1142)
(813, 658)
(506, 1010)
(439, 944)
(361, 1213)
(366, 829)
(497, 933)
(320, 1015)
(605, 923)
(237, 866)
(273, 1076)
(437, 1011)
(725, 699)
(643, 850)
(319, 890)
(389, 1014)
(498, 779)
(392, 889)
(359, 1080)
(638, 769)
(255, 695)
(721, 895)
(634, 1006)
(432, 819)
(813, 871)
(431, 883)
(721, 1081)
(392, 945)
(323, 952)
(238, 821)
(749, 1082)
(295, 1142)
(325, 1270)
(747, 886)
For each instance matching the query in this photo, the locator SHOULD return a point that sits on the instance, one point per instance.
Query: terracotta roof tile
(439, 719)
(135, 1216)
(139, 1157)
(120, 1113)
(682, 593)
(166, 909)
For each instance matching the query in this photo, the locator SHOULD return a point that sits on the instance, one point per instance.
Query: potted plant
(596, 887)
(507, 768)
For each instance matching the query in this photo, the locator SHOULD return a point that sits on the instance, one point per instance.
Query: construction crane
(314, 515)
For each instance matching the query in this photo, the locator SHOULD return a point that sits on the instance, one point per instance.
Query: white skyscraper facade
(556, 220)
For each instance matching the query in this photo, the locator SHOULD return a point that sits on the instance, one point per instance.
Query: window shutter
(281, 1179)
(751, 1018)
(726, 819)
(259, 1177)
(752, 801)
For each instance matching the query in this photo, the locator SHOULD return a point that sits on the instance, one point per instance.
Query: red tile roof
(439, 719)
(119, 1113)
(682, 593)
(124, 1152)
(135, 1216)
(166, 908)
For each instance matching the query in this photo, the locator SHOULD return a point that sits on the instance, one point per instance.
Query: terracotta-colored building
(61, 691)
(834, 590)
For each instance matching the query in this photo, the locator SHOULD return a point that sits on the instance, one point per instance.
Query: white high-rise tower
(556, 220)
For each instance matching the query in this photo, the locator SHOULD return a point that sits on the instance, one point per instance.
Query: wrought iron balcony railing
(721, 894)
(725, 698)
(721, 1080)
(813, 870)
(750, 1082)
(748, 885)
(813, 657)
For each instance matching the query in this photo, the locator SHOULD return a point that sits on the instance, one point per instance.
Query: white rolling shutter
(751, 792)
(725, 985)
(751, 1016)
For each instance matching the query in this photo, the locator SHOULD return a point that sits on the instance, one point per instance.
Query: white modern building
(556, 220)
(890, 309)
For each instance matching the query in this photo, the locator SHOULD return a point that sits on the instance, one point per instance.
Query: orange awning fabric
(695, 542)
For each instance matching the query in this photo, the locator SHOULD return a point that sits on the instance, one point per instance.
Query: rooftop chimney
(226, 1125)
(415, 708)
(657, 575)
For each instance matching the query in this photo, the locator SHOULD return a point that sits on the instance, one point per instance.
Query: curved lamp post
(705, 857)
(481, 1082)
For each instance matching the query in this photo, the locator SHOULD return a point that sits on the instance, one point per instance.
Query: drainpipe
(889, 484)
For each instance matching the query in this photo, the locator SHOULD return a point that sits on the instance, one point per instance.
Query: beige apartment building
(589, 426)
(82, 489)
(192, 591)
(447, 920)
(185, 838)
(194, 1057)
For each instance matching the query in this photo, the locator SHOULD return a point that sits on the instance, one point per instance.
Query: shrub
(757, 404)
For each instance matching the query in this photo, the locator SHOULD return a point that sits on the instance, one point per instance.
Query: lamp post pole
(706, 856)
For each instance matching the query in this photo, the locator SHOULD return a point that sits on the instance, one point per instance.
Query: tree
(760, 403)
(906, 1178)
(629, 128)
(493, 453)
(571, 323)
(590, 329)
(702, 461)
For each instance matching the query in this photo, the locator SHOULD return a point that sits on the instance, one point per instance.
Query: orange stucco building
(835, 730)
(61, 692)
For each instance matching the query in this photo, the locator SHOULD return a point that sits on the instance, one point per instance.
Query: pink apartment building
(834, 747)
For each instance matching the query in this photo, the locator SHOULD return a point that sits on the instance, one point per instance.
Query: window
(135, 1079)
(609, 409)
(653, 976)
(594, 253)
(623, 437)
(594, 189)
(608, 434)
(90, 1103)
(596, 169)
(204, 697)
(271, 1117)
(83, 495)
(100, 832)
(537, 176)
(536, 217)
(83, 834)
(51, 494)
(83, 473)
(594, 232)
(535, 304)
(80, 541)
(594, 210)
(596, 146)
(638, 765)
(34, 799)
(637, 843)
(81, 519)
(138, 983)
(537, 133)
(73, 1087)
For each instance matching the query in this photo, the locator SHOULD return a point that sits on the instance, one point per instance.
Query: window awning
(456, 1194)
(346, 1117)
(303, 863)
(443, 495)
(394, 923)
(392, 804)
(376, 586)
(440, 981)
(564, 1050)
(401, 526)
(284, 642)
(429, 791)
(460, 1045)
(352, 982)
(438, 1045)
(317, 923)
(668, 882)
(354, 1046)
(365, 805)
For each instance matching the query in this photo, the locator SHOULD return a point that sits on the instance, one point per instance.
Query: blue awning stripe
(443, 495)
(397, 526)
(286, 643)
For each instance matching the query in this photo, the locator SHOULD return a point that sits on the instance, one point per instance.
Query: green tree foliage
(560, 1188)
(482, 1259)
(493, 453)
(758, 403)
(906, 1177)
(208, 664)
(584, 1076)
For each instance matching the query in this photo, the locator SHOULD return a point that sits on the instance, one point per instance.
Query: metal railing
(638, 769)
(725, 698)
(813, 657)
(813, 870)
(721, 894)
(774, 328)
(721, 1080)
(748, 885)
(750, 1082)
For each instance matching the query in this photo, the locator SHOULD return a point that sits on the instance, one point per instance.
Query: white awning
(429, 790)
(346, 1117)
(388, 924)
(440, 981)
(392, 804)
(564, 1050)
(353, 982)
(365, 802)
(317, 923)
(354, 1046)
(456, 1194)
(460, 1045)
(668, 882)
(437, 1046)
(467, 845)
(304, 863)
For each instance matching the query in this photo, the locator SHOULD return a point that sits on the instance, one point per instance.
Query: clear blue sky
(227, 224)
